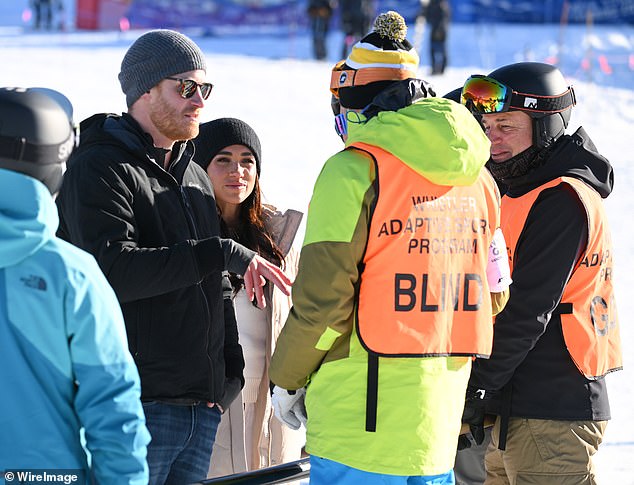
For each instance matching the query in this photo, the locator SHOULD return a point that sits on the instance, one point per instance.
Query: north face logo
(35, 282)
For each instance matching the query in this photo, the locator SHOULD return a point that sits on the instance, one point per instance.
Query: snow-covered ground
(272, 83)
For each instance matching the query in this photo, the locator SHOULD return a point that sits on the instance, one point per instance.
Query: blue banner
(544, 11)
(218, 16)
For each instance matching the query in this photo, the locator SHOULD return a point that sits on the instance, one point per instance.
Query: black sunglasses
(188, 87)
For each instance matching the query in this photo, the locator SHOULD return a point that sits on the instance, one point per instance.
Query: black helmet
(37, 134)
(454, 94)
(541, 92)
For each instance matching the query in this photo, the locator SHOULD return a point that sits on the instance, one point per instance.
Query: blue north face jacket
(65, 368)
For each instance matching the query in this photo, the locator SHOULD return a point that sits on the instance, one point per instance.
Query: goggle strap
(349, 77)
(543, 104)
(17, 148)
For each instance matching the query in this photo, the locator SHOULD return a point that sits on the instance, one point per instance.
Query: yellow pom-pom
(391, 25)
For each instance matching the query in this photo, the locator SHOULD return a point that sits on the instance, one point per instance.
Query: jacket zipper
(192, 225)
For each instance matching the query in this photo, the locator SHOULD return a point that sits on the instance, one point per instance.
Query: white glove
(290, 408)
(498, 270)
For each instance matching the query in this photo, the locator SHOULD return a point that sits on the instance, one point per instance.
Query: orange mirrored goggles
(484, 95)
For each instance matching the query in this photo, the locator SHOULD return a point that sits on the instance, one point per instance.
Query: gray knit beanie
(153, 57)
(215, 135)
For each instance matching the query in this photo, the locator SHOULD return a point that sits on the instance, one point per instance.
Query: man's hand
(257, 273)
(290, 408)
(212, 404)
(473, 414)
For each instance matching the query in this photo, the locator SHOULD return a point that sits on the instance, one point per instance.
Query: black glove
(463, 442)
(473, 414)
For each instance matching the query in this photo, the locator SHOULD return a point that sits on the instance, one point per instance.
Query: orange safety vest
(588, 312)
(423, 288)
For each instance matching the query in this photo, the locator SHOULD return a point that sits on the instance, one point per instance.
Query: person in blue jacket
(70, 390)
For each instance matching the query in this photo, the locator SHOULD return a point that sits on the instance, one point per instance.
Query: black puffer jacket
(155, 235)
(529, 356)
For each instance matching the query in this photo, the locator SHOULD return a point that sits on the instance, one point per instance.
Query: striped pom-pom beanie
(380, 58)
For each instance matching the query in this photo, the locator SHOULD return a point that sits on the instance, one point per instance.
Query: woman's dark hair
(251, 231)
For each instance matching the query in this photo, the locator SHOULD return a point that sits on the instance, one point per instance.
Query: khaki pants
(544, 452)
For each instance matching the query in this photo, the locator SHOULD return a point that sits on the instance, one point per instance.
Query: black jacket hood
(571, 156)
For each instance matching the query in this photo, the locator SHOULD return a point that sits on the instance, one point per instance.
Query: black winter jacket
(155, 235)
(529, 356)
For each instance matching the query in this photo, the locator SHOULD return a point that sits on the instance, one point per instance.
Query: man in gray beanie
(132, 198)
(154, 57)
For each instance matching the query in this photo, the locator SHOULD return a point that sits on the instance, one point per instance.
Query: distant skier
(319, 13)
(44, 13)
(437, 13)
(356, 17)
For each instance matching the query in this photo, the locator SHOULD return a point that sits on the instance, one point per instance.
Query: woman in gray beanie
(249, 436)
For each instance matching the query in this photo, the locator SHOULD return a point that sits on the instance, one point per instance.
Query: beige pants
(237, 449)
(544, 452)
